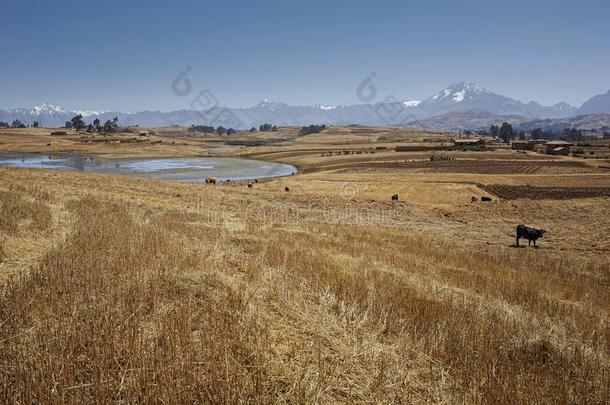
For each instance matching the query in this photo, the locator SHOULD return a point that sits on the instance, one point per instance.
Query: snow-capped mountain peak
(46, 108)
(325, 107)
(459, 96)
(441, 94)
(89, 113)
(50, 109)
(411, 103)
(457, 92)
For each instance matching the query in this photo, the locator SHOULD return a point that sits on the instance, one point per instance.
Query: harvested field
(545, 193)
(470, 166)
(147, 296)
(130, 290)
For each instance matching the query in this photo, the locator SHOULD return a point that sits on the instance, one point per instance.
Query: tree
(35, 124)
(18, 124)
(253, 129)
(522, 136)
(110, 126)
(4, 124)
(573, 134)
(96, 124)
(231, 131)
(267, 127)
(536, 133)
(494, 130)
(506, 132)
(221, 130)
(68, 124)
(77, 122)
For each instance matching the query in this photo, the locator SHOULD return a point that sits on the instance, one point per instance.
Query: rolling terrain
(120, 289)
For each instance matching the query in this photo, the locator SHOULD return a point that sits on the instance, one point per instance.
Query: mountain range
(457, 107)
(474, 119)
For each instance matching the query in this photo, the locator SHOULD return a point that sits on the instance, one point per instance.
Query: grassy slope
(118, 289)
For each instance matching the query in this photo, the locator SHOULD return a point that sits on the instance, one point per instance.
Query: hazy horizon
(124, 57)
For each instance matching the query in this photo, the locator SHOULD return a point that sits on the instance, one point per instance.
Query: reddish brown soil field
(470, 166)
(545, 193)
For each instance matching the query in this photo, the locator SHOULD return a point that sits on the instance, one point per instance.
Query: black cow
(530, 234)
(485, 199)
(249, 185)
(395, 197)
(286, 188)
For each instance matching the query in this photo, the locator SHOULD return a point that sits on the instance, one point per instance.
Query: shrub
(312, 129)
(441, 158)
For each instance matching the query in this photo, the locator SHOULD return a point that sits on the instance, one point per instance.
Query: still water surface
(192, 169)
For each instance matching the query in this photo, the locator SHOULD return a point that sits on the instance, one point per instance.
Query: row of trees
(77, 123)
(18, 124)
(267, 128)
(207, 129)
(506, 133)
(312, 129)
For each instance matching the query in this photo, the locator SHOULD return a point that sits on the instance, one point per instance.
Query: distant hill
(596, 104)
(586, 122)
(465, 120)
(482, 120)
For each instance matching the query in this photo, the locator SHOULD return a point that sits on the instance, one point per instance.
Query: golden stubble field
(132, 290)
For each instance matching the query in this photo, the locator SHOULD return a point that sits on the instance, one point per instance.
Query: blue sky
(123, 56)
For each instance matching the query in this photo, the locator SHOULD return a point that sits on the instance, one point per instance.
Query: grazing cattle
(530, 234)
(210, 180)
(286, 188)
(473, 199)
(395, 198)
(256, 180)
(249, 185)
(485, 199)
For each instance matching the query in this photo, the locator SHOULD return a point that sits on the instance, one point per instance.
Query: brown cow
(210, 180)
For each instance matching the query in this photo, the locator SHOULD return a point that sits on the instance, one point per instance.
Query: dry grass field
(161, 143)
(117, 289)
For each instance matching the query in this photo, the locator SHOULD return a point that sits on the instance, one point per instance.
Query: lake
(181, 169)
